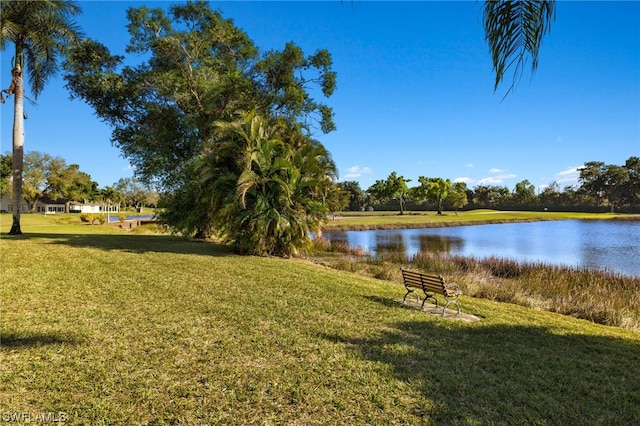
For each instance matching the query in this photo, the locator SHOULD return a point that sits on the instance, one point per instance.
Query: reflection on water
(610, 245)
(439, 243)
(412, 243)
(389, 242)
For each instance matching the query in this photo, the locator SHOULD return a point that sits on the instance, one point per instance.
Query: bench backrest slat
(413, 281)
(429, 282)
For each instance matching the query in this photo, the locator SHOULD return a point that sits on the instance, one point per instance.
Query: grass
(115, 328)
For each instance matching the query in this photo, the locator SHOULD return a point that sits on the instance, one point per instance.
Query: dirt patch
(431, 309)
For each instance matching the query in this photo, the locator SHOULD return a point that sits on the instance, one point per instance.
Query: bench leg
(455, 302)
(429, 296)
(404, 300)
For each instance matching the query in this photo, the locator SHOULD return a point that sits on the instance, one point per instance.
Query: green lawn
(391, 220)
(114, 328)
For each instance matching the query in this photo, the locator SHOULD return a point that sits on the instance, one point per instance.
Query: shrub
(91, 218)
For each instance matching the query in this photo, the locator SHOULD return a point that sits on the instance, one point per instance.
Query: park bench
(430, 284)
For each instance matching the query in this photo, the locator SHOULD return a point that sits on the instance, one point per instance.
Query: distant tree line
(602, 187)
(50, 177)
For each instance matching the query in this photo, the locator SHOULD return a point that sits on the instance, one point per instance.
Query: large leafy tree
(633, 185)
(134, 192)
(49, 176)
(433, 189)
(393, 188)
(357, 198)
(41, 32)
(490, 196)
(39, 174)
(457, 196)
(610, 183)
(198, 69)
(550, 195)
(71, 184)
(524, 192)
(186, 209)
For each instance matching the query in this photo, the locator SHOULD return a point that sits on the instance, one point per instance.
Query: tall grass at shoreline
(599, 296)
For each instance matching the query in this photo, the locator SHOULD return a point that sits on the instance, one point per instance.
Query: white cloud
(569, 172)
(568, 177)
(490, 181)
(465, 179)
(356, 172)
(496, 170)
(470, 165)
(496, 180)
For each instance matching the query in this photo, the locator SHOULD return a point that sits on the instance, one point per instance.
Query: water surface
(596, 244)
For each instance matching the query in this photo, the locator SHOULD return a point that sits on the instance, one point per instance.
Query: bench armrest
(454, 289)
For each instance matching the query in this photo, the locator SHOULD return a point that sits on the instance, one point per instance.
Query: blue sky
(414, 91)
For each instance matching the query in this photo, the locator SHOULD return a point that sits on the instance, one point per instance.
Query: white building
(6, 204)
(76, 207)
(47, 205)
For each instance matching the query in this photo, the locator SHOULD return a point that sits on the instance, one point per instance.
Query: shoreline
(384, 221)
(426, 225)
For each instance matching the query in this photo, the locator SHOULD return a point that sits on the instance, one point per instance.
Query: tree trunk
(18, 145)
(202, 234)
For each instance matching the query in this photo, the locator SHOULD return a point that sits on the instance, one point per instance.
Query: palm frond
(41, 31)
(514, 30)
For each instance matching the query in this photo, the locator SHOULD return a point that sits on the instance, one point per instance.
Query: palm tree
(514, 30)
(266, 187)
(41, 32)
(316, 186)
(111, 196)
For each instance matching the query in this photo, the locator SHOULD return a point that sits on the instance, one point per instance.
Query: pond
(116, 218)
(595, 244)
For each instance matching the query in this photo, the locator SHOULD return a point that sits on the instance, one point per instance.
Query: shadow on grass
(130, 243)
(21, 341)
(487, 374)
